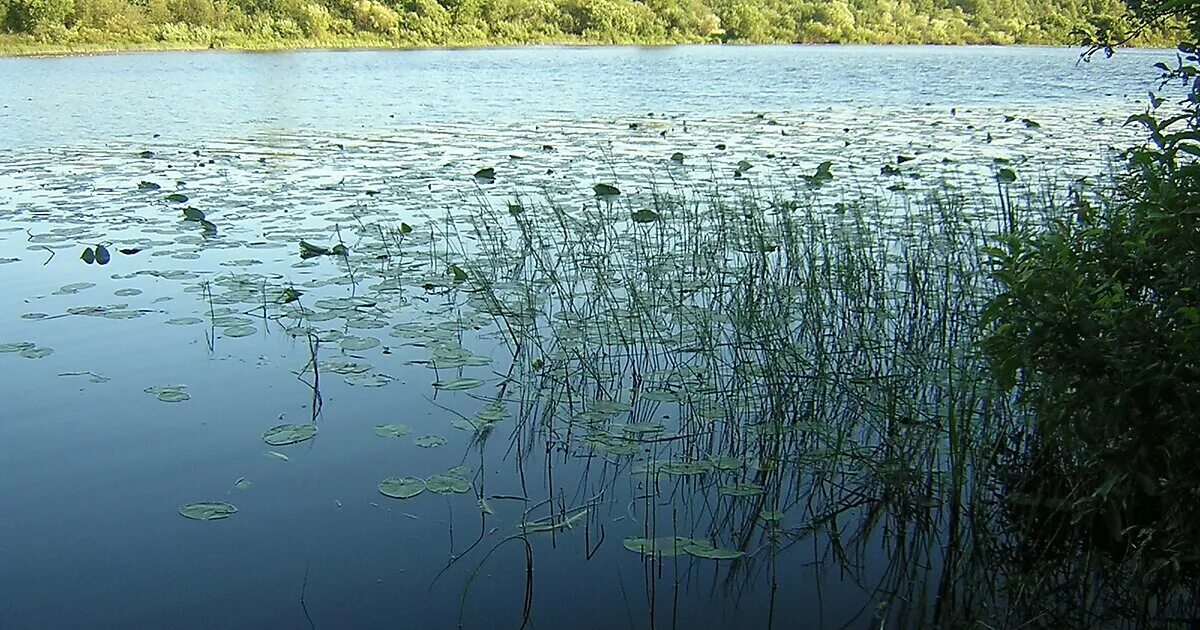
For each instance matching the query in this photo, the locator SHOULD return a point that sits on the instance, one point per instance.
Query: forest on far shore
(132, 24)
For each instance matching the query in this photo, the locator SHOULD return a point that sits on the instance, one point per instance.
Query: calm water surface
(322, 146)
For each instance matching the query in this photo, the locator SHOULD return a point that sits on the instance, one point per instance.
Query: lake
(653, 337)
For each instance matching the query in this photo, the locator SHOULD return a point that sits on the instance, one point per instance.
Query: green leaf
(644, 215)
(606, 190)
(102, 255)
(402, 487)
(392, 430)
(665, 547)
(308, 249)
(486, 174)
(88, 256)
(705, 549)
(284, 434)
(448, 484)
(192, 214)
(458, 384)
(430, 441)
(176, 197)
(1006, 176)
(207, 511)
(740, 490)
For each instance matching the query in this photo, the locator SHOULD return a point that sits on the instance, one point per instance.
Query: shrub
(28, 16)
(369, 15)
(1098, 327)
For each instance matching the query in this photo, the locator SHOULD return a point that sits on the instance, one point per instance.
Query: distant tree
(1147, 15)
(27, 16)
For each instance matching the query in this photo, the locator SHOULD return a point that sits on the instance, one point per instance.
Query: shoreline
(52, 51)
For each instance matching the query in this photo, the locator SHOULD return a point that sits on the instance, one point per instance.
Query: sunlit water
(278, 148)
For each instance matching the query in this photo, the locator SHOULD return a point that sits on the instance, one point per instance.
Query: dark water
(278, 148)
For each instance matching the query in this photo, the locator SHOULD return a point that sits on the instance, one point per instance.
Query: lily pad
(684, 468)
(37, 353)
(207, 511)
(402, 487)
(239, 331)
(169, 393)
(430, 441)
(705, 549)
(368, 380)
(741, 490)
(458, 384)
(284, 434)
(447, 484)
(666, 547)
(645, 215)
(606, 190)
(392, 430)
(359, 343)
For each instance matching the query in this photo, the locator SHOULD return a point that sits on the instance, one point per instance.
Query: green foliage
(1098, 327)
(31, 15)
(272, 23)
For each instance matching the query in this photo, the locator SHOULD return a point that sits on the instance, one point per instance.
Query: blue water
(208, 95)
(280, 147)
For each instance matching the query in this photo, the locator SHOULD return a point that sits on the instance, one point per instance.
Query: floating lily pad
(92, 376)
(610, 407)
(447, 484)
(284, 434)
(402, 487)
(368, 380)
(430, 441)
(645, 215)
(169, 393)
(359, 343)
(643, 428)
(184, 321)
(666, 547)
(721, 462)
(207, 511)
(73, 288)
(239, 331)
(18, 346)
(771, 516)
(741, 490)
(36, 353)
(606, 190)
(392, 430)
(705, 549)
(683, 468)
(458, 384)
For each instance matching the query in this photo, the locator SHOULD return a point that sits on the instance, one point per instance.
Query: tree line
(273, 23)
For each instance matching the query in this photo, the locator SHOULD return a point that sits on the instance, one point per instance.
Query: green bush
(1098, 327)
(375, 17)
(28, 16)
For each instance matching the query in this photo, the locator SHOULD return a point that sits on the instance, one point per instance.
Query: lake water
(493, 288)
